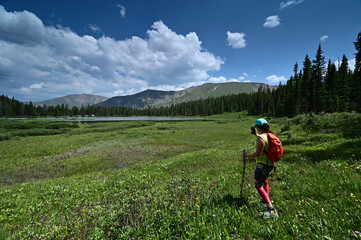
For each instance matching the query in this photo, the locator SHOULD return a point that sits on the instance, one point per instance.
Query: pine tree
(330, 85)
(290, 99)
(318, 72)
(299, 92)
(280, 96)
(358, 54)
(30, 109)
(357, 73)
(307, 87)
(297, 89)
(343, 89)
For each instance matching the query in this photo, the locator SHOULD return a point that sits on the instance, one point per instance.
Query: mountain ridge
(77, 100)
(159, 98)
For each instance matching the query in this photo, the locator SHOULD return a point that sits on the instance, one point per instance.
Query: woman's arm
(259, 148)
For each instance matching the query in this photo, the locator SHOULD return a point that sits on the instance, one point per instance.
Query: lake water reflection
(108, 119)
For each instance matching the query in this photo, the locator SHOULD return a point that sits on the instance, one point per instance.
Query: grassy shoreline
(156, 180)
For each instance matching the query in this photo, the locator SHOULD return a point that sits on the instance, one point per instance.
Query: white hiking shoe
(270, 213)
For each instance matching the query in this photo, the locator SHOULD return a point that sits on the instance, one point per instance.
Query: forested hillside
(71, 100)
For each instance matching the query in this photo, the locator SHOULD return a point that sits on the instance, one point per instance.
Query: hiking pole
(244, 172)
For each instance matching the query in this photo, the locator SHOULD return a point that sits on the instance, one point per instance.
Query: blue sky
(119, 47)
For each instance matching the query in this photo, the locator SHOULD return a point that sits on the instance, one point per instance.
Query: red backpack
(275, 151)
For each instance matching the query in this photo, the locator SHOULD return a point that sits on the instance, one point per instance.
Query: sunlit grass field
(178, 180)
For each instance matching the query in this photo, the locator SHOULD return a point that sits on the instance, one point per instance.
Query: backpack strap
(264, 149)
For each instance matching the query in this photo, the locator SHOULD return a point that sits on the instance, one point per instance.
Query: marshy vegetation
(181, 180)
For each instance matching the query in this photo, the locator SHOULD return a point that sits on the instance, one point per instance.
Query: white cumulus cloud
(283, 5)
(272, 21)
(275, 79)
(57, 61)
(351, 64)
(236, 39)
(36, 85)
(21, 27)
(223, 79)
(220, 79)
(323, 38)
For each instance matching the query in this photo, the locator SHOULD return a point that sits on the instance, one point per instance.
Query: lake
(107, 119)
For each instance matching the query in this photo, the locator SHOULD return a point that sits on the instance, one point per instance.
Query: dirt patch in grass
(50, 168)
(115, 157)
(122, 156)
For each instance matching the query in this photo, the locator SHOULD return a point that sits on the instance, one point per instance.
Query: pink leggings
(263, 191)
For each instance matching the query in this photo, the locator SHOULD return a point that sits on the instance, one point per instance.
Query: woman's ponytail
(265, 128)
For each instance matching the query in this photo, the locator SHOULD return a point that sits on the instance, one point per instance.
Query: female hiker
(264, 166)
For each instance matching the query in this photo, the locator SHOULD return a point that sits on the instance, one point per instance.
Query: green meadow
(178, 180)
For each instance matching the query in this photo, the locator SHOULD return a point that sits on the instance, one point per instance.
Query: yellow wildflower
(203, 223)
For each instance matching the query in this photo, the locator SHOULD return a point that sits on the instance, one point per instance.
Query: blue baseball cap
(260, 122)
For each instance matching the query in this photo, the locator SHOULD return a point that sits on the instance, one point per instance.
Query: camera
(253, 130)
